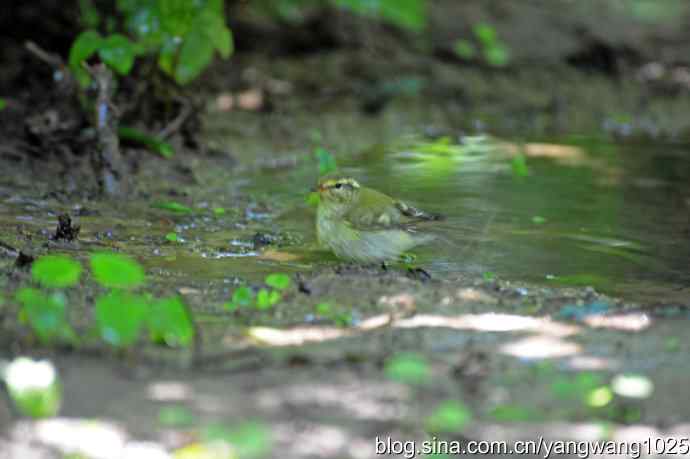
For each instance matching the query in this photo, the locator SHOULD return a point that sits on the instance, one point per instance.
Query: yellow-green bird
(363, 225)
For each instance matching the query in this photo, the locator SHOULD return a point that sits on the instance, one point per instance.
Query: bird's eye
(338, 186)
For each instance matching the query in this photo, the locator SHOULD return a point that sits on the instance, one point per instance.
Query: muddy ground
(524, 359)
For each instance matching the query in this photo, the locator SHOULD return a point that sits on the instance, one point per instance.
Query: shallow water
(581, 213)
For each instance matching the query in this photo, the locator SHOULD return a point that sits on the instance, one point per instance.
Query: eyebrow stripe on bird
(347, 182)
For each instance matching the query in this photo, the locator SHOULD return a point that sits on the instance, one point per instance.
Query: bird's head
(340, 192)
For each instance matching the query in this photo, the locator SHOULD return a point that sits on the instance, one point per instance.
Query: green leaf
(538, 220)
(409, 368)
(172, 206)
(45, 314)
(218, 211)
(497, 55)
(243, 296)
(485, 33)
(519, 166)
(176, 416)
(3, 103)
(278, 281)
(149, 141)
(250, 440)
(323, 309)
(116, 270)
(195, 55)
(85, 45)
(120, 317)
(118, 53)
(410, 14)
(465, 49)
(170, 323)
(326, 161)
(451, 416)
(56, 271)
(172, 237)
(267, 298)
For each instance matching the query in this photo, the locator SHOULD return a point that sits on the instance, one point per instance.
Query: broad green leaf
(172, 237)
(149, 141)
(242, 296)
(267, 298)
(408, 368)
(118, 53)
(85, 45)
(45, 314)
(169, 322)
(167, 54)
(56, 271)
(451, 416)
(195, 55)
(278, 281)
(120, 316)
(116, 270)
(172, 206)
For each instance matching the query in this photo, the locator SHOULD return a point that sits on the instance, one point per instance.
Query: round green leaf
(85, 45)
(118, 53)
(120, 316)
(56, 271)
(408, 368)
(116, 270)
(170, 323)
(278, 281)
(451, 417)
(196, 53)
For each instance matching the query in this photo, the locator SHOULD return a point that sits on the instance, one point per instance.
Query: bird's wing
(377, 211)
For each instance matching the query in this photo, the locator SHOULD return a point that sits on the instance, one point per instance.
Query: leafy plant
(151, 142)
(120, 317)
(45, 313)
(183, 35)
(116, 270)
(170, 322)
(266, 298)
(56, 271)
(485, 42)
(330, 312)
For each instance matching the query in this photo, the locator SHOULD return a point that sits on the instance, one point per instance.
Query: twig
(54, 60)
(177, 123)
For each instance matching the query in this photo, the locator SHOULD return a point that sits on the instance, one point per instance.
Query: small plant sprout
(33, 386)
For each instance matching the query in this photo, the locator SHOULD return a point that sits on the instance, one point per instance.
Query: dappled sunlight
(294, 336)
(541, 347)
(95, 439)
(633, 322)
(491, 322)
(169, 391)
(376, 400)
(592, 363)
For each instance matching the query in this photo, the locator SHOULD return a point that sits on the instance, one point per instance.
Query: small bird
(363, 225)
